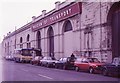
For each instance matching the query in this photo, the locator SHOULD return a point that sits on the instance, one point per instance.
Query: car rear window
(64, 59)
(93, 60)
(79, 59)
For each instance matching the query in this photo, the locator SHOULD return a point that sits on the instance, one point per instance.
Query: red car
(91, 65)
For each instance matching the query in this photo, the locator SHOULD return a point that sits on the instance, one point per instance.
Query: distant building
(84, 28)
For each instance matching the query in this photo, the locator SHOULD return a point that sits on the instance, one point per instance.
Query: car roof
(27, 49)
(117, 58)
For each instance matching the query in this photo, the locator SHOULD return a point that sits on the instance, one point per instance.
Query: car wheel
(64, 67)
(41, 64)
(31, 62)
(77, 68)
(56, 66)
(105, 73)
(19, 60)
(38, 63)
(47, 65)
(15, 60)
(91, 70)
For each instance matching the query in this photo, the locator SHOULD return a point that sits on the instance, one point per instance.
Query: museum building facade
(89, 29)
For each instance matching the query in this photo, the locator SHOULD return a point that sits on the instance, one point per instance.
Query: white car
(48, 62)
(9, 57)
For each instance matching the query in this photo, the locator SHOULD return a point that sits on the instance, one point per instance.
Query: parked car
(6, 57)
(9, 58)
(113, 68)
(65, 63)
(36, 60)
(48, 61)
(91, 65)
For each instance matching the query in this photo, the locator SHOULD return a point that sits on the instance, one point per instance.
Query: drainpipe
(100, 32)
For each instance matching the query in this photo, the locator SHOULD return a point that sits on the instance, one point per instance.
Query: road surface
(12, 71)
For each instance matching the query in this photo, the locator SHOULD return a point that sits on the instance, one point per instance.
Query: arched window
(28, 41)
(15, 43)
(38, 40)
(51, 41)
(28, 38)
(8, 49)
(5, 47)
(21, 40)
(68, 26)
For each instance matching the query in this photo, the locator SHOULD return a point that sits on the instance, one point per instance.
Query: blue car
(112, 69)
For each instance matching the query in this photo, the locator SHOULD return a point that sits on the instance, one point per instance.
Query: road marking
(59, 69)
(24, 70)
(44, 76)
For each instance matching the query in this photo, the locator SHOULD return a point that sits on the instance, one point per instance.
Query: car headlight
(96, 66)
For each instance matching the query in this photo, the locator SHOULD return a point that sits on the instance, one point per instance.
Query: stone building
(84, 28)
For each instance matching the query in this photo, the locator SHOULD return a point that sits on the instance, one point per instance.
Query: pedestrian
(72, 57)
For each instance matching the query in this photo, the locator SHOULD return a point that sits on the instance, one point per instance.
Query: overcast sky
(16, 13)
(19, 12)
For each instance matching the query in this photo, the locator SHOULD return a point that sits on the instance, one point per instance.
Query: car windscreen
(93, 60)
(26, 53)
(116, 61)
(47, 58)
(38, 53)
(18, 52)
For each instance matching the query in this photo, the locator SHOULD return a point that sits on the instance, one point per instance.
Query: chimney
(57, 5)
(8, 33)
(33, 18)
(43, 12)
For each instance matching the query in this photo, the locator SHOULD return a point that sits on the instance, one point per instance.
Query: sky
(16, 13)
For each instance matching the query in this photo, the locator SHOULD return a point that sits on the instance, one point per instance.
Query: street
(26, 72)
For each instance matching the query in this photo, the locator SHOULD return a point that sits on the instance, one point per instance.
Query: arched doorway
(114, 21)
(51, 41)
(67, 38)
(38, 42)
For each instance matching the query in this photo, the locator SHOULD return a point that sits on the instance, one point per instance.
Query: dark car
(36, 60)
(48, 61)
(65, 63)
(112, 69)
(91, 65)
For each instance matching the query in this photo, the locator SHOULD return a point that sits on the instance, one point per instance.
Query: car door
(44, 61)
(84, 64)
(78, 62)
(115, 65)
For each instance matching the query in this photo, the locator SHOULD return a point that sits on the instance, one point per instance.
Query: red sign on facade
(57, 16)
